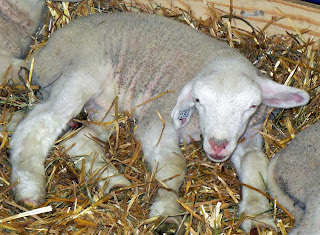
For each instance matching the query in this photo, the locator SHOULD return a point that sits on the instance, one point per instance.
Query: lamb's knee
(173, 170)
(254, 159)
(165, 203)
(254, 165)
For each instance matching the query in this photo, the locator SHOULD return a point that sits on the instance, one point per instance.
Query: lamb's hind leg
(30, 144)
(94, 151)
(36, 134)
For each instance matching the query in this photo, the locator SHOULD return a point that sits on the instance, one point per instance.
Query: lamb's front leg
(164, 155)
(251, 165)
(95, 162)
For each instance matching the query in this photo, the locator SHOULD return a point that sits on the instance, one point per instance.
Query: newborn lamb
(135, 57)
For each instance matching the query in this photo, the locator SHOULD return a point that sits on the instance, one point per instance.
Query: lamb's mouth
(217, 158)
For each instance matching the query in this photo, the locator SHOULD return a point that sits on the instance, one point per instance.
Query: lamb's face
(225, 105)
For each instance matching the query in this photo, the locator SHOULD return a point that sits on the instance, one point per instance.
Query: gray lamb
(19, 20)
(293, 176)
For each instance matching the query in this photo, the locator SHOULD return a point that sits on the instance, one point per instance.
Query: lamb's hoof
(262, 223)
(117, 182)
(263, 230)
(171, 226)
(29, 203)
(254, 231)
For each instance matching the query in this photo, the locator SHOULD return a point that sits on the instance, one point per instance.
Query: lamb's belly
(111, 92)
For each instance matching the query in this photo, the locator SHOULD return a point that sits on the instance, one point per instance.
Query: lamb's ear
(281, 96)
(184, 108)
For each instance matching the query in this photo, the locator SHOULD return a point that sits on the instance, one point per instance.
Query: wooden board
(291, 16)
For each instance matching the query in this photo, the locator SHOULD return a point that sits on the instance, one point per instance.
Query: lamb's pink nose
(218, 145)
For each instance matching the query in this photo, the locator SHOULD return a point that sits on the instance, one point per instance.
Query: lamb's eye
(196, 100)
(253, 106)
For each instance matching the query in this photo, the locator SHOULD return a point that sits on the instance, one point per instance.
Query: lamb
(19, 20)
(293, 176)
(135, 57)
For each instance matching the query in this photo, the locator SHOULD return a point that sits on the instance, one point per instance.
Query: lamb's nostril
(218, 145)
(225, 144)
(219, 148)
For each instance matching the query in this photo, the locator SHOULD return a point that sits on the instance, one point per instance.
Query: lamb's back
(149, 54)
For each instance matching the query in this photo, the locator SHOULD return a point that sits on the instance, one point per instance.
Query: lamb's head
(225, 100)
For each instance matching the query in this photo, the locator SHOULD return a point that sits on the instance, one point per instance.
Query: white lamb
(137, 57)
(293, 176)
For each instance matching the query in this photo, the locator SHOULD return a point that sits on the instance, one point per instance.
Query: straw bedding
(210, 193)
